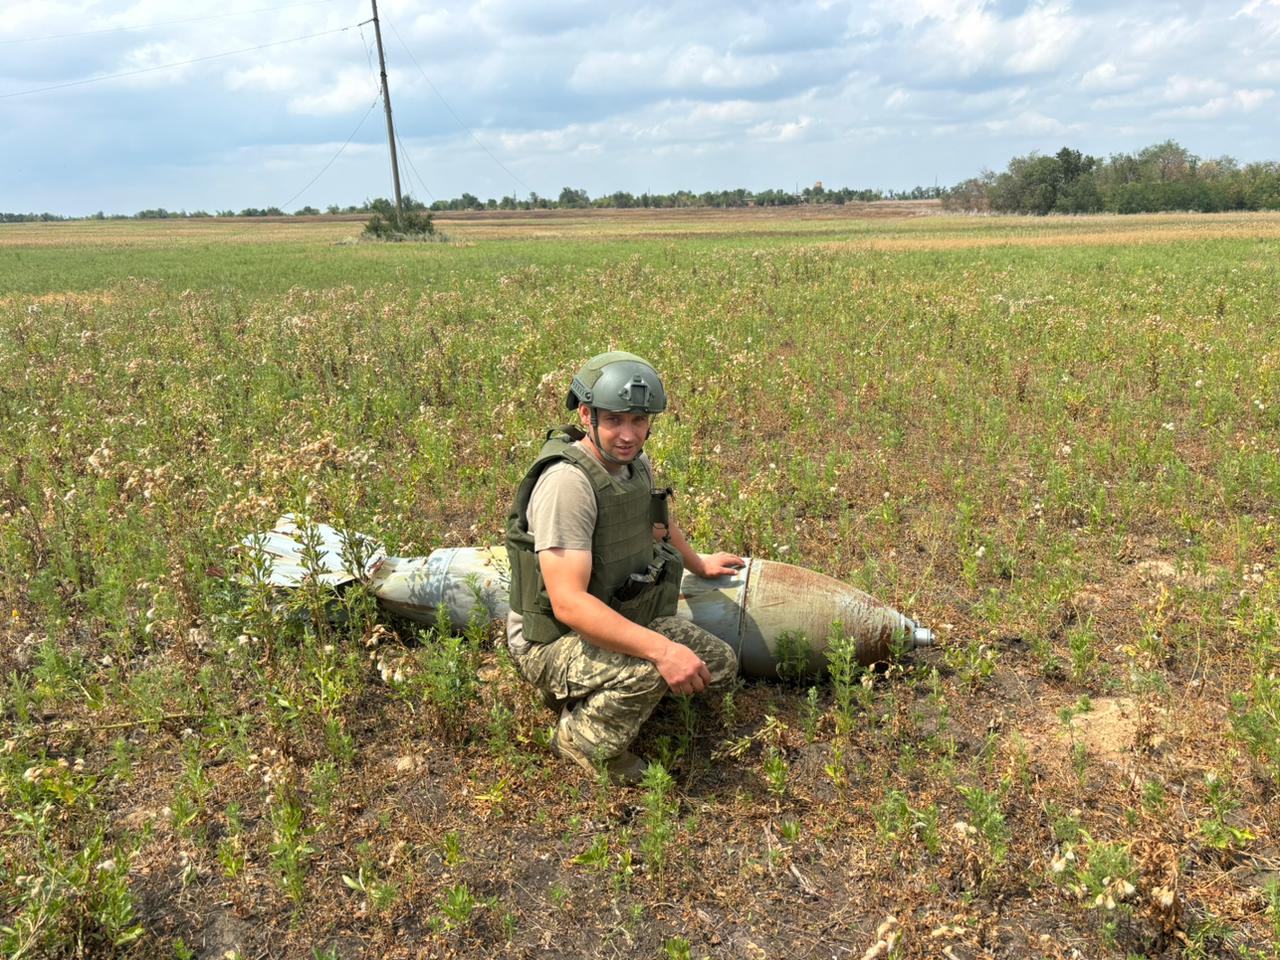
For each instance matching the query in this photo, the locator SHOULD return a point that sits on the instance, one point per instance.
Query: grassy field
(1057, 441)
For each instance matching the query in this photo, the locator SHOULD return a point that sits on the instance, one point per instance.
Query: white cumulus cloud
(967, 39)
(1266, 12)
(1238, 101)
(911, 13)
(783, 132)
(1102, 77)
(154, 59)
(691, 67)
(1028, 122)
(725, 111)
(266, 77)
(349, 89)
(1179, 88)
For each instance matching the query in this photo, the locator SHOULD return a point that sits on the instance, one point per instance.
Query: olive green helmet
(618, 382)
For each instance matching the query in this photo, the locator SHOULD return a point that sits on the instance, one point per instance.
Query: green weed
(458, 905)
(792, 651)
(897, 821)
(379, 894)
(445, 680)
(1101, 875)
(231, 855)
(1255, 721)
(973, 661)
(595, 856)
(290, 848)
(451, 850)
(988, 820)
(1271, 891)
(75, 901)
(1217, 829)
(657, 822)
(775, 771)
(810, 715)
(850, 683)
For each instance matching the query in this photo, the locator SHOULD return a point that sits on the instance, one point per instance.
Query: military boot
(626, 769)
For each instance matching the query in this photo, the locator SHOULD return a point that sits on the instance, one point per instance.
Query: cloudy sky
(502, 97)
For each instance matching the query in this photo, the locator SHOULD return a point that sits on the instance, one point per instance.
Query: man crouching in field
(596, 564)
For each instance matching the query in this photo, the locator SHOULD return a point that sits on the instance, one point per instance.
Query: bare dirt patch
(1109, 729)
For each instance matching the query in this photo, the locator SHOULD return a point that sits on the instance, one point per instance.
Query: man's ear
(584, 416)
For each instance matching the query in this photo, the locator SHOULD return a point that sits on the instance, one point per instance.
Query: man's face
(621, 434)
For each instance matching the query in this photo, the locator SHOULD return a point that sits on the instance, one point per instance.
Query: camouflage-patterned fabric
(612, 694)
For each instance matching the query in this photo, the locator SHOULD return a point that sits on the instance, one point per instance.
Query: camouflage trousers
(614, 692)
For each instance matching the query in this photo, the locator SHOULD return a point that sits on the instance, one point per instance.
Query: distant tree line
(569, 199)
(155, 213)
(577, 199)
(1164, 176)
(29, 217)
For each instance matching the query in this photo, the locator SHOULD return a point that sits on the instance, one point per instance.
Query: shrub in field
(413, 225)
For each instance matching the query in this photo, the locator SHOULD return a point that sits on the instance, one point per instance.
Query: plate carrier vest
(630, 571)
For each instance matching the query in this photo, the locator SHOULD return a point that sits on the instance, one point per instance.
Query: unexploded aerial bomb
(753, 610)
(765, 601)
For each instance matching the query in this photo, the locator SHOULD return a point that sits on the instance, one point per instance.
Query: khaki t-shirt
(561, 513)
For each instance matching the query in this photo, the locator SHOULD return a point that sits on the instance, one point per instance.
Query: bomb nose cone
(765, 608)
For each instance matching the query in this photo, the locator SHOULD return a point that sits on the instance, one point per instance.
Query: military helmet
(618, 382)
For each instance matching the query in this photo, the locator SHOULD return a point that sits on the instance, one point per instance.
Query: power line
(368, 55)
(451, 111)
(164, 23)
(167, 66)
(422, 183)
(377, 97)
(334, 157)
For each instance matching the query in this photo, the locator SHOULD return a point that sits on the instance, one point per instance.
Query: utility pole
(386, 102)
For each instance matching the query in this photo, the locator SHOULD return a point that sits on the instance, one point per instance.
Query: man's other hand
(683, 669)
(718, 565)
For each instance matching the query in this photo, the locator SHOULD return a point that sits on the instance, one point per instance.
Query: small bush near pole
(414, 225)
